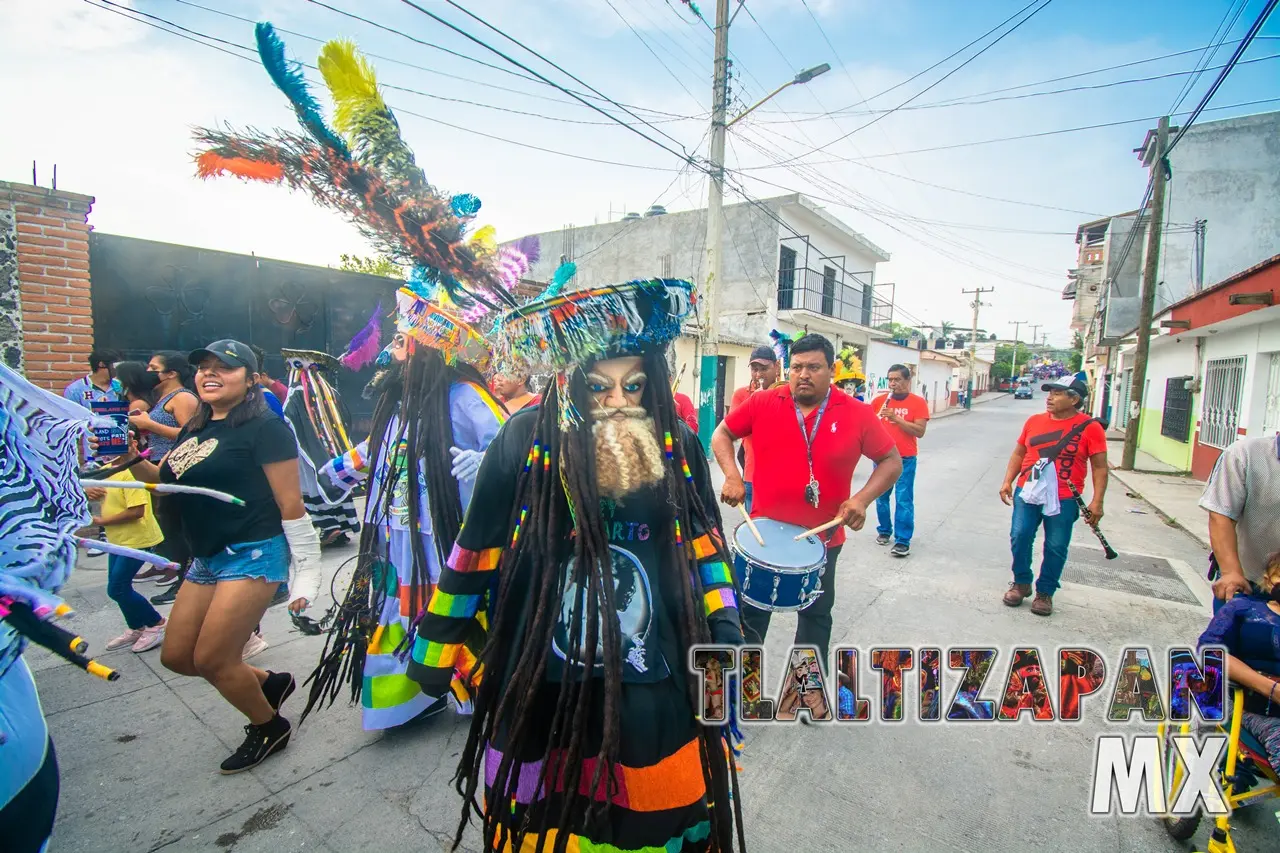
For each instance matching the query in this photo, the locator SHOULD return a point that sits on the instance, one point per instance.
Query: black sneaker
(281, 596)
(431, 710)
(278, 687)
(168, 596)
(260, 743)
(882, 539)
(900, 549)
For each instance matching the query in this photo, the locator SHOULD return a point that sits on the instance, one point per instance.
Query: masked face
(383, 379)
(628, 457)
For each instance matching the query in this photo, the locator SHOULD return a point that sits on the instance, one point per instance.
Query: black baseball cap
(1074, 384)
(229, 352)
(765, 354)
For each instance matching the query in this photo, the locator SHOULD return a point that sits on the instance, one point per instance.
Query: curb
(1203, 539)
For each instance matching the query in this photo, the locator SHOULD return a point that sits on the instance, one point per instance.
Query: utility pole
(1013, 369)
(973, 341)
(707, 368)
(1150, 269)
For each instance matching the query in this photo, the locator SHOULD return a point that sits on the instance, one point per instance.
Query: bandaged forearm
(304, 547)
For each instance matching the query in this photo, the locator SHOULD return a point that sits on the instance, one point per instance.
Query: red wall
(1213, 306)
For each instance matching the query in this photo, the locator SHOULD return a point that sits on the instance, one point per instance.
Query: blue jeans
(1057, 539)
(904, 491)
(138, 612)
(267, 560)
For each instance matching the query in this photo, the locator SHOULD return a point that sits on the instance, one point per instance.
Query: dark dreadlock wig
(416, 394)
(564, 514)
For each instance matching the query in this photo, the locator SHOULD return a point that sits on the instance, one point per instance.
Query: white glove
(304, 547)
(466, 463)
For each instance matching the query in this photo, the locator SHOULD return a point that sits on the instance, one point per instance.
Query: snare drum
(782, 575)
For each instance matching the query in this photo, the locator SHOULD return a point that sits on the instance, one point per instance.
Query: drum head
(780, 550)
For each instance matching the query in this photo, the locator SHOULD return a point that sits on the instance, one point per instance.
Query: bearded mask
(628, 457)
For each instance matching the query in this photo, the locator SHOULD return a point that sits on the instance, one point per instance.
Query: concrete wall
(1168, 357)
(1255, 342)
(1228, 173)
(674, 245)
(1124, 272)
(881, 355)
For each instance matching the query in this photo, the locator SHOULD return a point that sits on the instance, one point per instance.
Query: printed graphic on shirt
(190, 452)
(400, 482)
(1067, 459)
(634, 602)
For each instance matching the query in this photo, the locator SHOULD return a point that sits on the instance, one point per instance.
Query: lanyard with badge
(811, 490)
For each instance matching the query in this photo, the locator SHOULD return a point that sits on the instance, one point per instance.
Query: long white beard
(628, 457)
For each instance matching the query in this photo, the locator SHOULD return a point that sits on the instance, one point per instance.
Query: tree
(1003, 367)
(992, 337)
(946, 329)
(898, 331)
(381, 265)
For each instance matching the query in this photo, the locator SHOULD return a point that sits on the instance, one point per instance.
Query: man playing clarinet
(815, 434)
(1049, 463)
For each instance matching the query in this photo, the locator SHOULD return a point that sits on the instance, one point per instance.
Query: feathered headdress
(365, 171)
(848, 366)
(366, 344)
(554, 334)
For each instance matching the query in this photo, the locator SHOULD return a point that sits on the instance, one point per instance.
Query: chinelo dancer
(313, 410)
(593, 553)
(434, 417)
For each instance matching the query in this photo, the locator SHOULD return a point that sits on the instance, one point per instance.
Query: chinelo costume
(434, 416)
(313, 410)
(592, 554)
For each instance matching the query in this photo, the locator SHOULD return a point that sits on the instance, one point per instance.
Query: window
(1271, 415)
(1121, 395)
(1220, 418)
(828, 291)
(786, 278)
(1176, 422)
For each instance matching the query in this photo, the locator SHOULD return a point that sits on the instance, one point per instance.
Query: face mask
(150, 380)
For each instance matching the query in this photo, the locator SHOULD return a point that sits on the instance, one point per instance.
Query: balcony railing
(850, 299)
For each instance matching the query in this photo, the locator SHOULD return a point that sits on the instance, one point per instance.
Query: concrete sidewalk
(977, 401)
(1175, 496)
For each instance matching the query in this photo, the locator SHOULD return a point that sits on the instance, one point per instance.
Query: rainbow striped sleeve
(453, 616)
(716, 575)
(351, 468)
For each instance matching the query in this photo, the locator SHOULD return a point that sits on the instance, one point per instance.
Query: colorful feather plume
(531, 248)
(363, 116)
(485, 241)
(288, 77)
(464, 205)
(366, 344)
(563, 273)
(372, 179)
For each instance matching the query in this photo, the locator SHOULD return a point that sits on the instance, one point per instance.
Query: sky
(112, 101)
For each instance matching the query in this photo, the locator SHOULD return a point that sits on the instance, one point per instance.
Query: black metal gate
(150, 296)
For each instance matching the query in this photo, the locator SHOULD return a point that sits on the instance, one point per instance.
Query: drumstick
(821, 528)
(751, 524)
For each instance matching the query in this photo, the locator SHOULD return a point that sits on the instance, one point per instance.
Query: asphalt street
(139, 756)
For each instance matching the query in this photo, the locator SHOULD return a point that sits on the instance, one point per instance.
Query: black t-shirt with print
(229, 459)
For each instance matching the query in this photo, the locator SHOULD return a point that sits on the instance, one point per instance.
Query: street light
(706, 366)
(800, 79)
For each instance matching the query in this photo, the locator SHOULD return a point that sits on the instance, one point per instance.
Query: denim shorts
(268, 560)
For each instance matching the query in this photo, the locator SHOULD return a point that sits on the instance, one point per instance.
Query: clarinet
(1084, 510)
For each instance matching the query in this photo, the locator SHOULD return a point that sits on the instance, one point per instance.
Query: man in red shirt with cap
(764, 374)
(815, 434)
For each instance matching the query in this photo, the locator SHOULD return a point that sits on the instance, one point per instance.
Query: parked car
(1023, 392)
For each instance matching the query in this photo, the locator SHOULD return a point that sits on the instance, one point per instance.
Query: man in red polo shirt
(806, 477)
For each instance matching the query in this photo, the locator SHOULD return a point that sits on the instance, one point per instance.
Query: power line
(1145, 120)
(1211, 50)
(1235, 57)
(649, 48)
(1077, 75)
(433, 16)
(488, 85)
(389, 86)
(957, 102)
(397, 109)
(996, 41)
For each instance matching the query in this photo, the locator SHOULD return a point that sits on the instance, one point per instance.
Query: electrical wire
(488, 85)
(1043, 5)
(397, 109)
(433, 16)
(1215, 44)
(649, 48)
